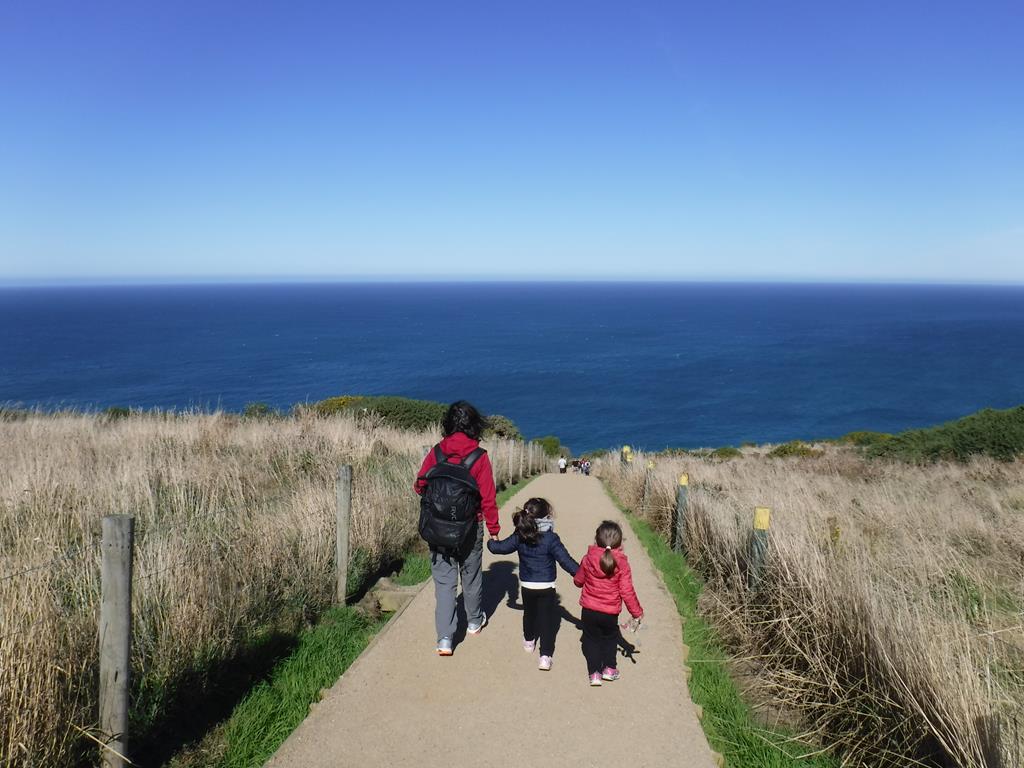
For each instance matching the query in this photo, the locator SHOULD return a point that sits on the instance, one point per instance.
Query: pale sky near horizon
(778, 141)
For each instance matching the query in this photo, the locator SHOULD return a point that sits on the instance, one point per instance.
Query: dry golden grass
(890, 613)
(234, 535)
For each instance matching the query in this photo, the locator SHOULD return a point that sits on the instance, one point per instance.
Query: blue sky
(719, 140)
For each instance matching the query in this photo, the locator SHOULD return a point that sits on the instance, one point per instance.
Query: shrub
(503, 426)
(725, 453)
(257, 411)
(398, 412)
(794, 448)
(865, 438)
(552, 446)
(999, 434)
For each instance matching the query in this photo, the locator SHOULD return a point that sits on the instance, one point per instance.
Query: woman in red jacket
(463, 425)
(607, 582)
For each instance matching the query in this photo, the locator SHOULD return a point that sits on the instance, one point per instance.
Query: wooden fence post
(758, 546)
(522, 460)
(679, 515)
(344, 518)
(647, 487)
(115, 635)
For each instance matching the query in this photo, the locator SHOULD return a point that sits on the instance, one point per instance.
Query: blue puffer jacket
(537, 561)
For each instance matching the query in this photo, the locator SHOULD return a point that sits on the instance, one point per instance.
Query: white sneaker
(529, 645)
(545, 663)
(474, 628)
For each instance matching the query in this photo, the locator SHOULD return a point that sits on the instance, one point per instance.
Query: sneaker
(529, 645)
(595, 680)
(475, 627)
(444, 646)
(610, 673)
(545, 663)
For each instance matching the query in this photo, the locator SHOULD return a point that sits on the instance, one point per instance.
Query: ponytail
(609, 536)
(608, 564)
(525, 520)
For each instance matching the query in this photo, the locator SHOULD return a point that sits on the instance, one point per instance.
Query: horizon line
(114, 281)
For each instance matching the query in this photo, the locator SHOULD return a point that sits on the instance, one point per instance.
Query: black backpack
(449, 504)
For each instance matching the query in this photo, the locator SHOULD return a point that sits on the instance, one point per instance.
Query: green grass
(273, 709)
(728, 720)
(999, 434)
(415, 570)
(507, 493)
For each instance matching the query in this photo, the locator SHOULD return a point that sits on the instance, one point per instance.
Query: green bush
(400, 412)
(503, 426)
(258, 411)
(725, 453)
(794, 448)
(552, 446)
(865, 438)
(999, 434)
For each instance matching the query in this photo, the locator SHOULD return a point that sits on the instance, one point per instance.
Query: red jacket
(457, 447)
(606, 593)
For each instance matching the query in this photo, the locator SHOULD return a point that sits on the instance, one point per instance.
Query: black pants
(540, 619)
(600, 636)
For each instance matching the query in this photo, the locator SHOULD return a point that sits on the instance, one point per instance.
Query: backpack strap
(439, 456)
(470, 460)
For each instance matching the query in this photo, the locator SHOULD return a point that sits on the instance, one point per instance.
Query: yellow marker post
(762, 518)
(679, 514)
(758, 546)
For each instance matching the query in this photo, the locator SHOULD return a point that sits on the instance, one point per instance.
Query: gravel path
(488, 705)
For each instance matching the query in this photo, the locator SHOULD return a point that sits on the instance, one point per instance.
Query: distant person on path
(561, 465)
(539, 548)
(586, 467)
(607, 582)
(456, 484)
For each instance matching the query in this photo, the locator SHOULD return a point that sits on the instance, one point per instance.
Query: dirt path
(488, 705)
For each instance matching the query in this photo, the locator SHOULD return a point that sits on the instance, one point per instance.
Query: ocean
(598, 364)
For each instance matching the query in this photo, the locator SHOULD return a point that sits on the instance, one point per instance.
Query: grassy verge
(728, 720)
(263, 720)
(509, 491)
(275, 707)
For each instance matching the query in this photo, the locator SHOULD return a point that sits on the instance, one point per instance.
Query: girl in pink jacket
(607, 582)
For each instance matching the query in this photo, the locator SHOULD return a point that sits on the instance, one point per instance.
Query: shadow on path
(499, 582)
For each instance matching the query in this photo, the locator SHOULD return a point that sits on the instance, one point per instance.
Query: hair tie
(607, 549)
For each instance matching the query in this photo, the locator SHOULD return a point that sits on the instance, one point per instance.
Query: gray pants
(446, 581)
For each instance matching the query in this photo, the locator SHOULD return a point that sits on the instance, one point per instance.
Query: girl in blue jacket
(539, 549)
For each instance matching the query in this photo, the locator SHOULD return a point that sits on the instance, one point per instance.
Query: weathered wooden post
(647, 486)
(758, 546)
(679, 515)
(344, 519)
(522, 460)
(115, 635)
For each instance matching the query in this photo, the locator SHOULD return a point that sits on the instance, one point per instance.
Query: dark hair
(609, 536)
(525, 520)
(463, 417)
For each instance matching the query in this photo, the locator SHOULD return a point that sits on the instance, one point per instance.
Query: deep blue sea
(598, 364)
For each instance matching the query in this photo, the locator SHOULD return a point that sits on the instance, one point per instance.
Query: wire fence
(76, 551)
